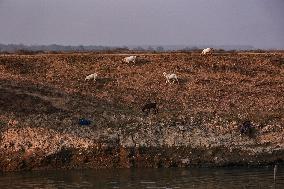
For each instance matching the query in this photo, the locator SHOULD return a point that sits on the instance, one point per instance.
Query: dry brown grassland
(45, 94)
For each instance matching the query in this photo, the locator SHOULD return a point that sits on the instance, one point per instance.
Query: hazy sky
(143, 22)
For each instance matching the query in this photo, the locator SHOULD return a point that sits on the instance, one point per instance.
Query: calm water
(210, 178)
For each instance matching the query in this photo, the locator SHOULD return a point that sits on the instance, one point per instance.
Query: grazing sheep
(170, 77)
(207, 51)
(150, 105)
(92, 76)
(129, 59)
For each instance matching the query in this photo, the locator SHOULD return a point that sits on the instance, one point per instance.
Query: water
(171, 178)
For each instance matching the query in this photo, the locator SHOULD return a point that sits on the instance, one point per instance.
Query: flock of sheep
(246, 127)
(169, 77)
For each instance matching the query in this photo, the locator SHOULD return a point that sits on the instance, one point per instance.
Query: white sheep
(170, 77)
(207, 51)
(129, 59)
(92, 76)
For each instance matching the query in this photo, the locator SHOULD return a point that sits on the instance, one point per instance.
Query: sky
(259, 23)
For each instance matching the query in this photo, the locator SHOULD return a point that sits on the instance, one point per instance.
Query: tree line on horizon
(20, 48)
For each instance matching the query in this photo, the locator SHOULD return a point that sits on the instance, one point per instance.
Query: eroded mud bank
(42, 97)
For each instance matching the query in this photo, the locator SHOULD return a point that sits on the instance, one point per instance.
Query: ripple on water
(172, 178)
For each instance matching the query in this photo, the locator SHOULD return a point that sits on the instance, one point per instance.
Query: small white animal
(92, 76)
(170, 77)
(207, 51)
(129, 59)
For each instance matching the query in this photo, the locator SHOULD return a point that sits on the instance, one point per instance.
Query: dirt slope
(43, 96)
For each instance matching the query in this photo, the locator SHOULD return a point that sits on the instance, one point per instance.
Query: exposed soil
(43, 96)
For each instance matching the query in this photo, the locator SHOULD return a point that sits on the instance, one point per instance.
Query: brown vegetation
(47, 93)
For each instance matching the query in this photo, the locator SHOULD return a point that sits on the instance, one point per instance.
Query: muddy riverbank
(43, 96)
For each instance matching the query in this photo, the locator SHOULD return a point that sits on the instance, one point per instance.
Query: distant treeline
(20, 48)
(52, 48)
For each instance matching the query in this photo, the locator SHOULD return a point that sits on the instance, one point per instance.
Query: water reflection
(211, 178)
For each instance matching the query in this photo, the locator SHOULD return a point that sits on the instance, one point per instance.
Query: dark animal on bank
(247, 128)
(150, 106)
